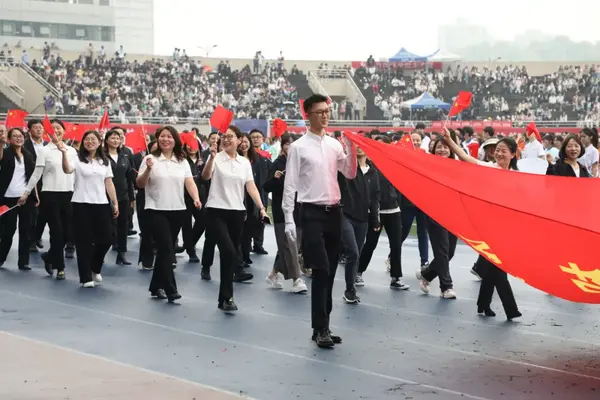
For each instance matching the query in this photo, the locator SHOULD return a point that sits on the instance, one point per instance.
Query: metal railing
(336, 74)
(315, 85)
(51, 89)
(13, 86)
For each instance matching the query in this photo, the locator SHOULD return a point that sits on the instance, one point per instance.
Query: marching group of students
(329, 204)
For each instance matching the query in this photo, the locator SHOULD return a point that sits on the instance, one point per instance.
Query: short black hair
(312, 100)
(562, 154)
(33, 122)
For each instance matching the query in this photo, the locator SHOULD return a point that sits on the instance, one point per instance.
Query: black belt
(324, 207)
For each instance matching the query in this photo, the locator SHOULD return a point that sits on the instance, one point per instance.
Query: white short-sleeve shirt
(89, 181)
(54, 178)
(228, 182)
(165, 188)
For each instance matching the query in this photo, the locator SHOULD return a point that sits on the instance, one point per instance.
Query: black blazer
(122, 177)
(561, 168)
(7, 168)
(196, 168)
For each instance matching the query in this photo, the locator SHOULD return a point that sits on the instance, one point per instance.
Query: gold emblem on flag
(587, 281)
(482, 248)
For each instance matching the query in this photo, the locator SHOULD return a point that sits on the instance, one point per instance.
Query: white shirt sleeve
(143, 165)
(249, 173)
(41, 158)
(292, 174)
(541, 152)
(347, 162)
(109, 171)
(187, 171)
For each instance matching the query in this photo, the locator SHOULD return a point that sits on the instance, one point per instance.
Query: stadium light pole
(207, 49)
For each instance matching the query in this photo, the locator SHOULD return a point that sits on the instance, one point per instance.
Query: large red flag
(497, 212)
(462, 102)
(16, 119)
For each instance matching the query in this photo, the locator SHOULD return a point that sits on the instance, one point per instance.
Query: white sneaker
(88, 285)
(359, 281)
(97, 278)
(448, 294)
(274, 282)
(422, 282)
(299, 286)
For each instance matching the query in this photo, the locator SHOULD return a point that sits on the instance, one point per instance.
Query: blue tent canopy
(425, 101)
(406, 56)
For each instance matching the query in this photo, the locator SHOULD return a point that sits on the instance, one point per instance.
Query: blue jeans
(354, 234)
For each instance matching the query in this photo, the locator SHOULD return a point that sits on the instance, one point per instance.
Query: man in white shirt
(534, 147)
(311, 173)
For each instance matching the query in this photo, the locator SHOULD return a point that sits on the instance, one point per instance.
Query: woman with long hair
(123, 182)
(146, 249)
(192, 232)
(246, 150)
(57, 191)
(589, 158)
(16, 167)
(493, 277)
(443, 244)
(92, 212)
(164, 175)
(568, 164)
(286, 260)
(231, 176)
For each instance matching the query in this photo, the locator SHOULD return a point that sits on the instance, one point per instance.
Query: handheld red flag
(279, 127)
(136, 141)
(221, 118)
(462, 102)
(189, 139)
(263, 153)
(532, 128)
(473, 148)
(568, 271)
(104, 122)
(16, 119)
(406, 142)
(5, 209)
(49, 135)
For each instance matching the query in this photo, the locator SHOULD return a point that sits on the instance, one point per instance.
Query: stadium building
(71, 25)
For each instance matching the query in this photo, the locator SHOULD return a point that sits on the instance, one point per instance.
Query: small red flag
(406, 142)
(532, 128)
(4, 209)
(49, 135)
(263, 153)
(136, 141)
(221, 118)
(104, 122)
(279, 127)
(462, 102)
(473, 148)
(189, 139)
(16, 119)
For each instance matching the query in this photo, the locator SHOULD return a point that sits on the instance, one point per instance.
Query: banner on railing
(473, 124)
(404, 65)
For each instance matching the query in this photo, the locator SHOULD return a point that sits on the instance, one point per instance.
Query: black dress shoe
(334, 338)
(228, 306)
(486, 311)
(47, 265)
(24, 267)
(260, 250)
(324, 340)
(512, 315)
(179, 249)
(242, 276)
(205, 274)
(193, 257)
(159, 294)
(173, 297)
(121, 260)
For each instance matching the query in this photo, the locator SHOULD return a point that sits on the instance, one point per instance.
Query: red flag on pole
(461, 103)
(104, 122)
(406, 142)
(16, 119)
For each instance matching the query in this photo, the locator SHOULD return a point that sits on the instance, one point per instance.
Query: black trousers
(392, 223)
(58, 212)
(443, 244)
(321, 237)
(93, 237)
(224, 227)
(252, 229)
(120, 226)
(409, 214)
(38, 224)
(192, 232)
(146, 256)
(163, 225)
(494, 277)
(9, 227)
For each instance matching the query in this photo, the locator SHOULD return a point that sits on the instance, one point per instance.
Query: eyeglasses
(321, 113)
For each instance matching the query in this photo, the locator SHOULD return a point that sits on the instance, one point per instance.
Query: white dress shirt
(228, 182)
(89, 181)
(533, 149)
(18, 183)
(311, 171)
(165, 188)
(48, 166)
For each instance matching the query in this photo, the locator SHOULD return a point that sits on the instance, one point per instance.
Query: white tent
(443, 56)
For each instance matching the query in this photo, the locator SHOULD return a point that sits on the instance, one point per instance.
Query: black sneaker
(228, 305)
(242, 276)
(159, 294)
(398, 283)
(193, 257)
(336, 339)
(60, 275)
(173, 297)
(205, 274)
(324, 340)
(47, 265)
(350, 297)
(259, 250)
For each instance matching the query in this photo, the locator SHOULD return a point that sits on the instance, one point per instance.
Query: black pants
(9, 227)
(38, 224)
(409, 214)
(58, 212)
(121, 226)
(163, 225)
(443, 244)
(258, 235)
(146, 256)
(192, 232)
(354, 233)
(208, 250)
(252, 229)
(392, 223)
(480, 266)
(321, 237)
(93, 236)
(224, 227)
(494, 277)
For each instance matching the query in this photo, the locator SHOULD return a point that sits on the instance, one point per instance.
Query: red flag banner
(496, 212)
(461, 103)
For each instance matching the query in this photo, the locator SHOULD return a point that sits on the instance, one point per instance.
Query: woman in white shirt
(231, 176)
(164, 175)
(16, 168)
(92, 225)
(57, 191)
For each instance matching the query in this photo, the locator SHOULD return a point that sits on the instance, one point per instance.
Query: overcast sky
(337, 30)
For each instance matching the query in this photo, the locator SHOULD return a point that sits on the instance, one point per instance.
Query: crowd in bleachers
(178, 89)
(501, 92)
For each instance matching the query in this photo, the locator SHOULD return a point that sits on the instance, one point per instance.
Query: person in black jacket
(34, 144)
(193, 233)
(146, 253)
(16, 167)
(286, 260)
(123, 182)
(261, 168)
(360, 202)
(129, 154)
(567, 164)
(391, 221)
